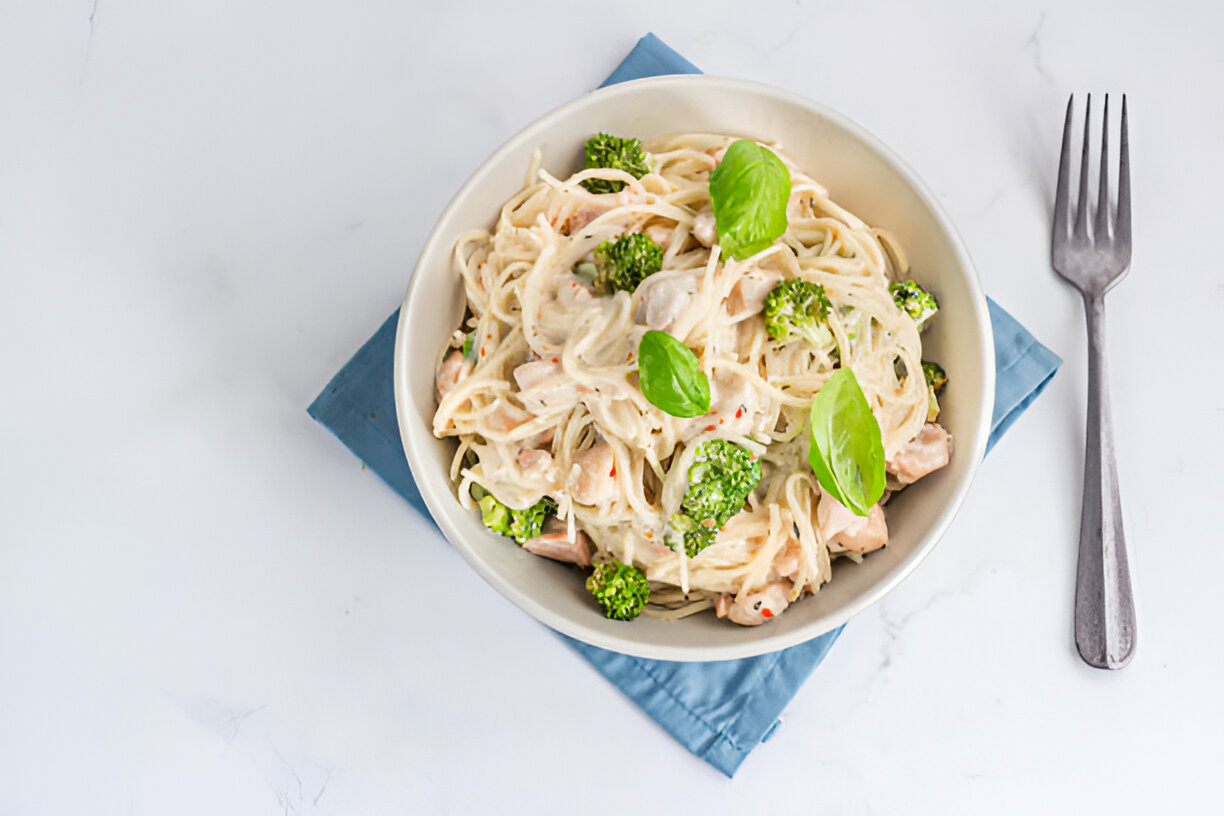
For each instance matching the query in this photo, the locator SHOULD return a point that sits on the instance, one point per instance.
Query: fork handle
(1104, 605)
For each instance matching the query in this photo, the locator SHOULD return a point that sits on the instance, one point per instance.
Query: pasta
(546, 401)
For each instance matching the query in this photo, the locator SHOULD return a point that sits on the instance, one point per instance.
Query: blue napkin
(718, 710)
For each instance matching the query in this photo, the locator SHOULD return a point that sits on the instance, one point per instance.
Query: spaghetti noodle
(546, 402)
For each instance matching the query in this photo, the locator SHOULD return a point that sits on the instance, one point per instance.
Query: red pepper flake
(555, 361)
(482, 351)
(739, 412)
(721, 421)
(765, 613)
(711, 427)
(612, 473)
(649, 534)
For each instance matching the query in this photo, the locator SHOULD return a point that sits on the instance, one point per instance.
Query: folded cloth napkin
(718, 710)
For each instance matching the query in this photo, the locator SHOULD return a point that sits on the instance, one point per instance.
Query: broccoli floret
(915, 301)
(613, 153)
(494, 514)
(621, 589)
(799, 307)
(527, 524)
(936, 377)
(697, 534)
(521, 525)
(622, 264)
(719, 481)
(469, 346)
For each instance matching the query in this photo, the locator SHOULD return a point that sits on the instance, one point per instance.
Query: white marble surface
(208, 606)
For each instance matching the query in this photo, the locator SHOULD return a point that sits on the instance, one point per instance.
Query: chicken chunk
(756, 607)
(531, 374)
(554, 542)
(536, 464)
(705, 229)
(599, 205)
(664, 298)
(841, 526)
(453, 369)
(928, 451)
(748, 294)
(863, 538)
(506, 416)
(786, 562)
(592, 479)
(734, 400)
(661, 234)
(543, 386)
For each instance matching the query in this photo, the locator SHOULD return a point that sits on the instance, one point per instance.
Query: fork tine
(1062, 222)
(1100, 229)
(1122, 227)
(1081, 206)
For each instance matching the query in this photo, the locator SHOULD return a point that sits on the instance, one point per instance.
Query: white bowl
(862, 175)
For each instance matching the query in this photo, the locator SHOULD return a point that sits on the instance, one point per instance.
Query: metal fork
(1094, 258)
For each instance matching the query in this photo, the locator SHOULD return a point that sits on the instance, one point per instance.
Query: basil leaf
(749, 190)
(670, 377)
(846, 448)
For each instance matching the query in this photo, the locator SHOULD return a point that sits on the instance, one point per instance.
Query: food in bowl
(689, 370)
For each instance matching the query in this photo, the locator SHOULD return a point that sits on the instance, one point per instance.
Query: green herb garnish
(670, 376)
(846, 448)
(748, 191)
